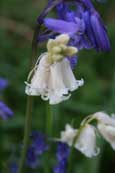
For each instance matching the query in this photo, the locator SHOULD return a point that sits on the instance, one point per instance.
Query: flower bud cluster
(58, 48)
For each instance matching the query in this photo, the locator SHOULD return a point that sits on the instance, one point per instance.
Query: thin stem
(88, 120)
(49, 119)
(72, 148)
(27, 129)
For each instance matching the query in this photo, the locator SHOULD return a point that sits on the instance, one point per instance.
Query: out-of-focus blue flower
(3, 84)
(32, 158)
(5, 111)
(83, 24)
(63, 151)
(100, 33)
(62, 156)
(73, 61)
(37, 147)
(39, 143)
(60, 168)
(13, 167)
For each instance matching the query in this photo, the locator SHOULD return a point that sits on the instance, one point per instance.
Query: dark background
(17, 19)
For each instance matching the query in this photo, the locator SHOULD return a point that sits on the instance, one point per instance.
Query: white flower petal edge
(104, 118)
(68, 135)
(53, 81)
(106, 127)
(61, 82)
(108, 133)
(38, 85)
(86, 142)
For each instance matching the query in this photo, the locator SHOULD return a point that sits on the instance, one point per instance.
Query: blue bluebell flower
(3, 83)
(63, 151)
(84, 25)
(60, 168)
(31, 158)
(5, 111)
(39, 143)
(36, 148)
(62, 156)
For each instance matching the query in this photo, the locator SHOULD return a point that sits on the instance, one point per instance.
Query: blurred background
(17, 19)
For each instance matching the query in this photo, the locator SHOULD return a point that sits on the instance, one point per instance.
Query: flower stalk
(49, 119)
(27, 130)
(72, 148)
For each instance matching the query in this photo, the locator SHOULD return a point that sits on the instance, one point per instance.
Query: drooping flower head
(53, 78)
(86, 139)
(83, 24)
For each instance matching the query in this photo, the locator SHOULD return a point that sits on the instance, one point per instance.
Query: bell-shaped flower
(106, 127)
(84, 25)
(85, 139)
(53, 78)
(86, 142)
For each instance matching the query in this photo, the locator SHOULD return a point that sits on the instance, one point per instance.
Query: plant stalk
(27, 130)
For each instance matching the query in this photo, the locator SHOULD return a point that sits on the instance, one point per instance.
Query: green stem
(27, 130)
(72, 148)
(75, 140)
(49, 119)
(49, 127)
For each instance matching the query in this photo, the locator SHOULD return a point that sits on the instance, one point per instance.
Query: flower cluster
(84, 139)
(53, 78)
(62, 155)
(83, 24)
(36, 148)
(80, 28)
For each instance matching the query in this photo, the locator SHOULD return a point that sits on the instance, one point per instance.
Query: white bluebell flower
(53, 78)
(85, 141)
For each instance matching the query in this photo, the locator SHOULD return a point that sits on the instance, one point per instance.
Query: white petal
(56, 87)
(108, 132)
(38, 85)
(68, 135)
(104, 118)
(86, 142)
(68, 76)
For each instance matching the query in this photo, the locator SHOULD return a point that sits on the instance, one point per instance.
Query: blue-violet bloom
(83, 24)
(3, 84)
(5, 111)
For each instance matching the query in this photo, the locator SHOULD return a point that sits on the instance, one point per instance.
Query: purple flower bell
(84, 25)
